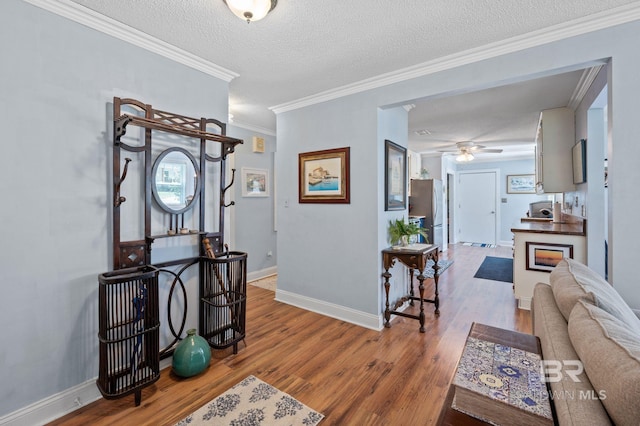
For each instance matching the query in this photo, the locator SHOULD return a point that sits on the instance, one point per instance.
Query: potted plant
(400, 231)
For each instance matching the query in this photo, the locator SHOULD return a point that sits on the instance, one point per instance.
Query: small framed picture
(255, 182)
(323, 176)
(521, 184)
(545, 256)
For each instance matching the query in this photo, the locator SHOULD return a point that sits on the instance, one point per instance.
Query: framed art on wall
(323, 176)
(545, 256)
(521, 184)
(395, 176)
(579, 161)
(255, 182)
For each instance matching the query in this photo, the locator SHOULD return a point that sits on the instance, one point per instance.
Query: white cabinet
(555, 138)
(525, 278)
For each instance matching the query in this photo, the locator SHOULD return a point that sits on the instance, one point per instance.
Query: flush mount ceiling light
(465, 157)
(251, 10)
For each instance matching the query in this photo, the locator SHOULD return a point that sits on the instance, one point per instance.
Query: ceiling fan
(466, 150)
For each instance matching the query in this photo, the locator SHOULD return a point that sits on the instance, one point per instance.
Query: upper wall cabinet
(556, 136)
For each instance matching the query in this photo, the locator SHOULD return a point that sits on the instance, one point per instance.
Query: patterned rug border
(444, 264)
(479, 245)
(253, 402)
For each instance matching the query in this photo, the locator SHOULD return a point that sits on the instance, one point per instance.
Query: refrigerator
(425, 202)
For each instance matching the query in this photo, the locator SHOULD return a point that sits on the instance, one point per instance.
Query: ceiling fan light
(465, 157)
(251, 10)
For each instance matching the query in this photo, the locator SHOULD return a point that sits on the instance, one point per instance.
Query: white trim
(506, 243)
(60, 404)
(263, 273)
(598, 21)
(586, 79)
(252, 128)
(524, 303)
(54, 406)
(363, 319)
(87, 17)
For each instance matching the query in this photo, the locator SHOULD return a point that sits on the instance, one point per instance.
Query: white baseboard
(363, 319)
(263, 273)
(60, 404)
(505, 243)
(54, 406)
(524, 303)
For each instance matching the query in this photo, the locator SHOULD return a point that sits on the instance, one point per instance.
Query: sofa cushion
(572, 281)
(610, 354)
(551, 328)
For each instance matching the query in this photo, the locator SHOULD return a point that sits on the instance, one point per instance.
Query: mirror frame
(154, 188)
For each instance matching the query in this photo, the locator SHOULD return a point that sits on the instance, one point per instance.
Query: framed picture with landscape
(323, 176)
(255, 182)
(395, 176)
(521, 184)
(545, 256)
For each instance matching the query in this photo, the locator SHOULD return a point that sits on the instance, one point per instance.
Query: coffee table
(527, 342)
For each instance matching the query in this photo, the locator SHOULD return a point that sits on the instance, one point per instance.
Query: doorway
(477, 206)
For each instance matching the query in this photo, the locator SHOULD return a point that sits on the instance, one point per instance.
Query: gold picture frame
(323, 176)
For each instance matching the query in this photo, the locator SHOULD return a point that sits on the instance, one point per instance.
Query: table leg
(421, 288)
(436, 299)
(387, 311)
(411, 286)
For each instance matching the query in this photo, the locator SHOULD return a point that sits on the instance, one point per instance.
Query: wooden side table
(413, 257)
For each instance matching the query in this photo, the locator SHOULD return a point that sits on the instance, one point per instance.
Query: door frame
(457, 212)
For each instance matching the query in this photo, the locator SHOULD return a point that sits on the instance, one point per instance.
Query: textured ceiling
(305, 47)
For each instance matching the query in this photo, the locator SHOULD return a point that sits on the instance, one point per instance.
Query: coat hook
(118, 198)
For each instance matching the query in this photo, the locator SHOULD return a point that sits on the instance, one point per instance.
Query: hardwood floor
(353, 375)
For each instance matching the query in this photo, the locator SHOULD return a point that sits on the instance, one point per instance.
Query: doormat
(253, 402)
(496, 269)
(479, 245)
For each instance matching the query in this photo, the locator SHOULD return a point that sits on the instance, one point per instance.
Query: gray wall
(254, 231)
(340, 272)
(57, 81)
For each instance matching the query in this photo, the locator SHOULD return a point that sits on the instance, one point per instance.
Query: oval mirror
(175, 180)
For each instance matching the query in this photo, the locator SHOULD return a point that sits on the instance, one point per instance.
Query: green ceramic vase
(192, 355)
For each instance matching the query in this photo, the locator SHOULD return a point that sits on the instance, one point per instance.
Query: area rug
(442, 264)
(268, 283)
(496, 269)
(253, 402)
(479, 245)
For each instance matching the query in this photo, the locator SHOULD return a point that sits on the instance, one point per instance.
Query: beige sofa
(583, 323)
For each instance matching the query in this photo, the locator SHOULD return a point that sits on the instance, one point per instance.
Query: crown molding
(598, 21)
(587, 77)
(106, 25)
(252, 128)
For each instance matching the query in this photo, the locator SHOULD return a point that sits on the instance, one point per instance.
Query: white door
(476, 198)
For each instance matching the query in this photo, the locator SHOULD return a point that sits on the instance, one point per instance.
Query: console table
(414, 257)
